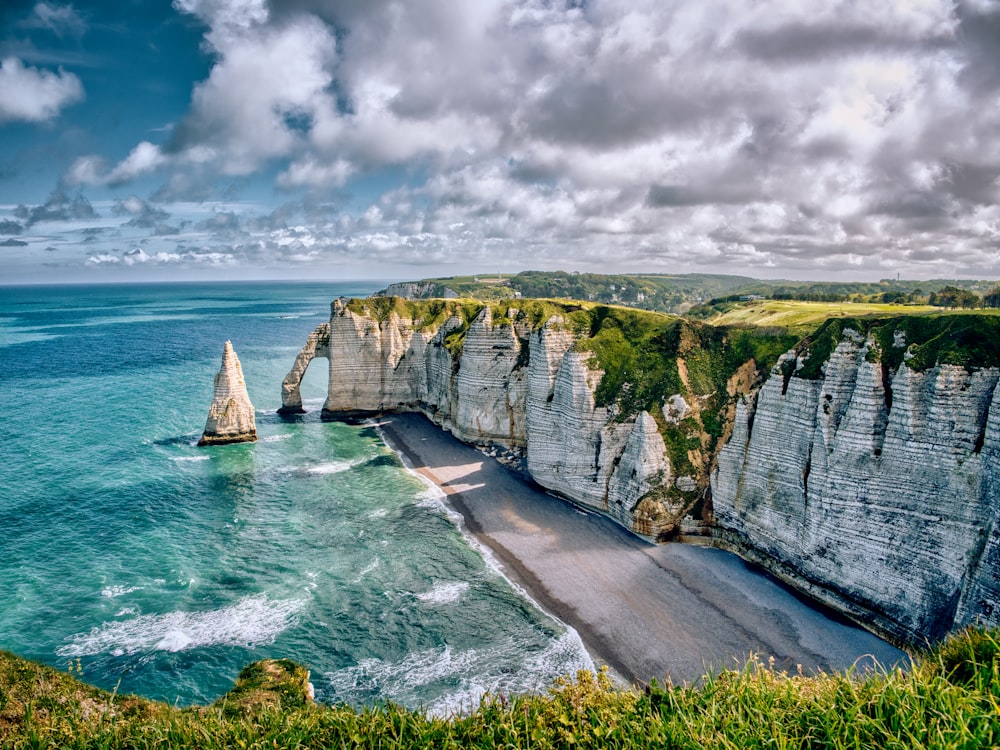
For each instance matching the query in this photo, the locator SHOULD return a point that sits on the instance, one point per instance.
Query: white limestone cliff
(505, 385)
(317, 345)
(874, 491)
(231, 415)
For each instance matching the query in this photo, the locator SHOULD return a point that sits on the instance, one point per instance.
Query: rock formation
(231, 415)
(866, 473)
(317, 345)
(874, 490)
(502, 381)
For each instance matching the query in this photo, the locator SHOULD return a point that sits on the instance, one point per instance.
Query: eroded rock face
(317, 345)
(231, 415)
(873, 490)
(876, 490)
(505, 385)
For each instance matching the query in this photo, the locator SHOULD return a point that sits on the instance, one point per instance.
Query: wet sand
(648, 611)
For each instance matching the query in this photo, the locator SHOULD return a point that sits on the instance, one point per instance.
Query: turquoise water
(164, 568)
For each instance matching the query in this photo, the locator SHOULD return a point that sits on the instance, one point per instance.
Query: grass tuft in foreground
(949, 699)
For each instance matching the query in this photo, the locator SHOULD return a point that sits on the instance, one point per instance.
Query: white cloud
(311, 173)
(264, 90)
(144, 158)
(61, 20)
(33, 94)
(781, 135)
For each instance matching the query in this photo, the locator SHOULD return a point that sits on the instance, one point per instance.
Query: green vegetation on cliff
(965, 339)
(949, 699)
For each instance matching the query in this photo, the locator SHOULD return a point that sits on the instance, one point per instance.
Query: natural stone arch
(317, 345)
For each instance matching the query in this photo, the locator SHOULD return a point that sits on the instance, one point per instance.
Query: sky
(146, 140)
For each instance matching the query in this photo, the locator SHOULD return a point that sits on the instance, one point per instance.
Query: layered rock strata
(870, 484)
(231, 415)
(873, 490)
(509, 384)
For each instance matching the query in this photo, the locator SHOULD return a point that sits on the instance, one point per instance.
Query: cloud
(142, 213)
(35, 95)
(10, 227)
(59, 207)
(775, 136)
(13, 243)
(61, 20)
(137, 256)
(266, 87)
(146, 157)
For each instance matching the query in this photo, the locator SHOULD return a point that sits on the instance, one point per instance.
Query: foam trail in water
(334, 467)
(476, 671)
(250, 622)
(115, 591)
(444, 593)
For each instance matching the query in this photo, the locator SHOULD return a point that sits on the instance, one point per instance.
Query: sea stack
(230, 417)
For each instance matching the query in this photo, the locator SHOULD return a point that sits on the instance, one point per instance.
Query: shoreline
(512, 568)
(666, 612)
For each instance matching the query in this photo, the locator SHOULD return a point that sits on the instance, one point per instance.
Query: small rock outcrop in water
(231, 416)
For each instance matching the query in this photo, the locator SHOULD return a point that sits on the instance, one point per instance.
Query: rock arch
(317, 345)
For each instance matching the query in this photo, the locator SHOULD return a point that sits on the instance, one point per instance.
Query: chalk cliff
(231, 415)
(873, 486)
(863, 466)
(508, 377)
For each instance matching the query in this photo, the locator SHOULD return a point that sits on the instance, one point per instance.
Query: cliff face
(864, 470)
(231, 415)
(873, 486)
(504, 381)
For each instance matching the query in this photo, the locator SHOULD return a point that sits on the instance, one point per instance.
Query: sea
(145, 564)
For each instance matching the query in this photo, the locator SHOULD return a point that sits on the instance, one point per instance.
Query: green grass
(805, 317)
(967, 339)
(950, 698)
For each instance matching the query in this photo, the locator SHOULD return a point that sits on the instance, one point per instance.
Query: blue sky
(232, 139)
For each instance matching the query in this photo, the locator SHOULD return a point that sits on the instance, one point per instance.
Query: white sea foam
(250, 622)
(466, 676)
(114, 591)
(444, 593)
(126, 611)
(367, 569)
(333, 467)
(190, 458)
(276, 438)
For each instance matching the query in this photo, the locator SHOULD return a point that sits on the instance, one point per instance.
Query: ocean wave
(190, 458)
(115, 591)
(465, 676)
(334, 467)
(444, 593)
(250, 622)
(367, 569)
(277, 438)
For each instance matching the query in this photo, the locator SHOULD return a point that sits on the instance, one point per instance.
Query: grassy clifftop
(970, 340)
(949, 699)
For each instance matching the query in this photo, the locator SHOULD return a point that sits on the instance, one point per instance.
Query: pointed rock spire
(231, 416)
